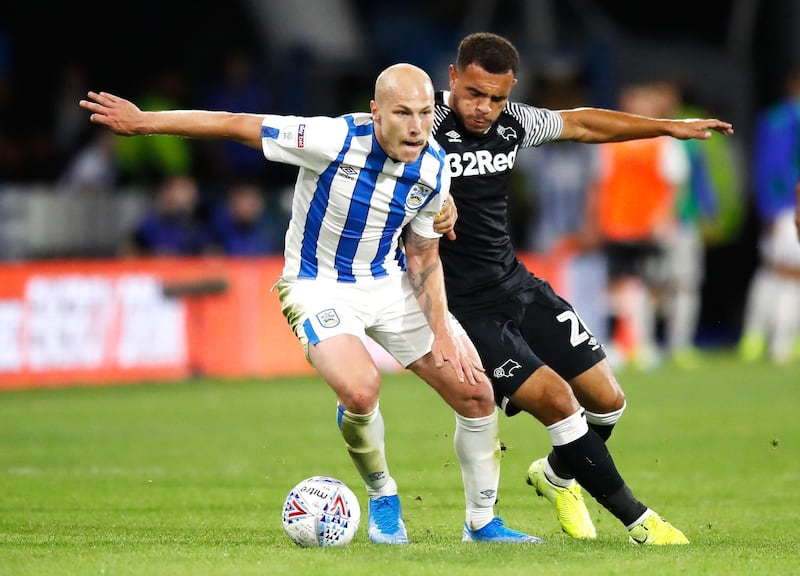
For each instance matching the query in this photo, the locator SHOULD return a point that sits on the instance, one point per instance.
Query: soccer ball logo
(321, 511)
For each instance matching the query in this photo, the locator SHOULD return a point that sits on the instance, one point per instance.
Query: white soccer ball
(321, 511)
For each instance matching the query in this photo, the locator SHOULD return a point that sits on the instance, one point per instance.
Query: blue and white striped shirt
(351, 201)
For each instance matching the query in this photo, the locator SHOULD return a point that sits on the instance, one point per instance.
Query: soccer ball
(320, 512)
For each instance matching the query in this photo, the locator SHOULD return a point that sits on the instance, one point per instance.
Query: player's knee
(546, 396)
(472, 401)
(360, 396)
(606, 418)
(359, 403)
(469, 400)
(598, 391)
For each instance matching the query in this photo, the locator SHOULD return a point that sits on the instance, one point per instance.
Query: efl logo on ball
(321, 511)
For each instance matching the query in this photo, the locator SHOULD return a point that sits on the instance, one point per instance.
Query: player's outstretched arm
(123, 117)
(596, 125)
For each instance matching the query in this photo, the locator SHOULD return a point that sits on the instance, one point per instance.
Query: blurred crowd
(638, 217)
(200, 197)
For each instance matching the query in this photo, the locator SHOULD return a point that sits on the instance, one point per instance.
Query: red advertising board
(100, 322)
(140, 320)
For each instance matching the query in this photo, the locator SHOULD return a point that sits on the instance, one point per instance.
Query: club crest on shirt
(506, 132)
(328, 318)
(417, 196)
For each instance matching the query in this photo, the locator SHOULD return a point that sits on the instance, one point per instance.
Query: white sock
(787, 301)
(563, 432)
(477, 444)
(569, 429)
(683, 315)
(607, 419)
(640, 519)
(363, 435)
(759, 304)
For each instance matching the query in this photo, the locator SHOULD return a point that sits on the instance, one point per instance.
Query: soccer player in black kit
(541, 358)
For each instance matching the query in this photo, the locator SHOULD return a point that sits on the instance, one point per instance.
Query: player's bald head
(403, 81)
(402, 111)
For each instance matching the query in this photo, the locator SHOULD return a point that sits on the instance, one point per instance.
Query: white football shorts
(385, 309)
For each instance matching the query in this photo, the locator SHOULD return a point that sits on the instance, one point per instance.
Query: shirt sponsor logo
(480, 162)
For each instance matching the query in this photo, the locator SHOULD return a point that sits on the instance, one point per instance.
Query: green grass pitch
(189, 479)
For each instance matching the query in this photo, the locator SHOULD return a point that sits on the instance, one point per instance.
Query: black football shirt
(481, 266)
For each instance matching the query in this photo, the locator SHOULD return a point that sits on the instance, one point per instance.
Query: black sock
(560, 468)
(592, 466)
(603, 430)
(624, 505)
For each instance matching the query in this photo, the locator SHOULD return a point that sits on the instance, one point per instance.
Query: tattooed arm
(427, 279)
(424, 269)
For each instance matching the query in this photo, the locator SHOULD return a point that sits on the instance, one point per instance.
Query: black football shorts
(518, 334)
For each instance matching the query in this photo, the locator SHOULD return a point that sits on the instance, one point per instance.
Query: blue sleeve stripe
(269, 132)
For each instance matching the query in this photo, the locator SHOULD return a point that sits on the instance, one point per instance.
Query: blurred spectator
(94, 167)
(148, 161)
(553, 190)
(240, 226)
(28, 152)
(556, 179)
(772, 310)
(173, 226)
(241, 89)
(11, 149)
(637, 190)
(797, 209)
(696, 207)
(725, 167)
(69, 121)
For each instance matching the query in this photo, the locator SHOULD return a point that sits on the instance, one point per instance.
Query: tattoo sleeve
(423, 261)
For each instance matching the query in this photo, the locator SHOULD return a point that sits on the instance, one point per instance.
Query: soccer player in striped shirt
(363, 180)
(542, 358)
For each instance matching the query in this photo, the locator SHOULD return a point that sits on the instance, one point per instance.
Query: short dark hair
(490, 51)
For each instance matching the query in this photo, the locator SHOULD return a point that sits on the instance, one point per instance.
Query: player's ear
(453, 76)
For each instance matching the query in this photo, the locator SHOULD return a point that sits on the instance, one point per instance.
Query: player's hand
(445, 351)
(461, 356)
(445, 220)
(119, 115)
(700, 129)
(472, 360)
(447, 356)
